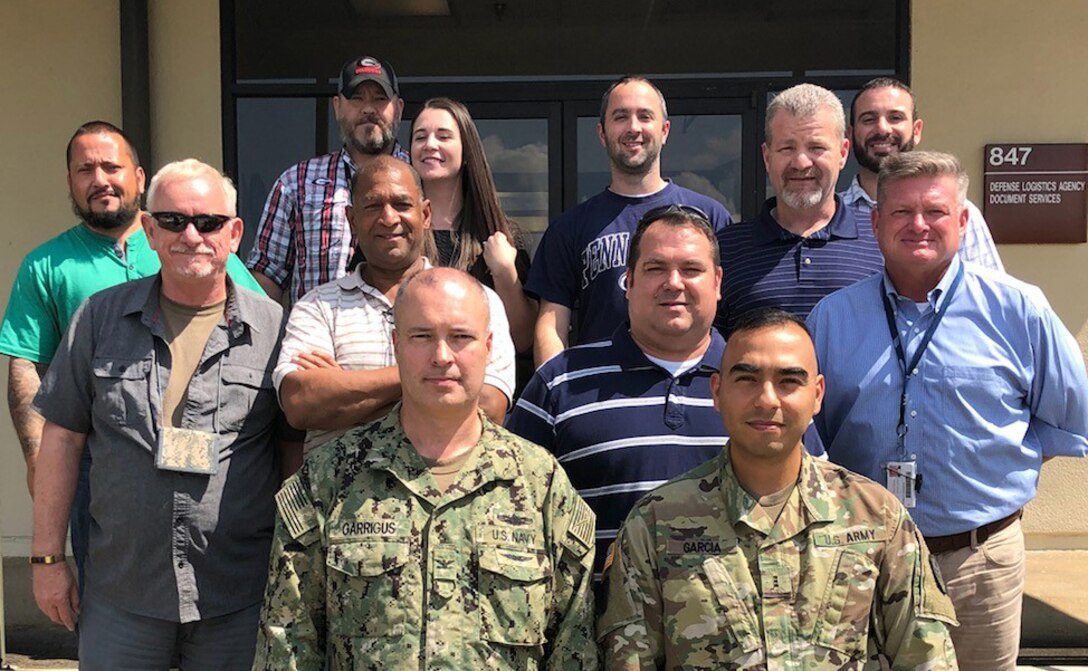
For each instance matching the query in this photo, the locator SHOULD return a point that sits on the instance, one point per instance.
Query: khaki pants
(986, 585)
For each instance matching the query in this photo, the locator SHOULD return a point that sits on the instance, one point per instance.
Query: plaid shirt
(304, 239)
(977, 244)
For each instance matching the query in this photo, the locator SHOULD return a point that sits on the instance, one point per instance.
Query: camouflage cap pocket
(513, 589)
(367, 558)
(367, 587)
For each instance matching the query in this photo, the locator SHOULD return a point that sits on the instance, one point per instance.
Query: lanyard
(912, 368)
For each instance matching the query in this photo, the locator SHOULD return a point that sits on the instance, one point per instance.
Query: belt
(972, 538)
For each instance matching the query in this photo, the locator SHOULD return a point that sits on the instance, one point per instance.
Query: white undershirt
(675, 368)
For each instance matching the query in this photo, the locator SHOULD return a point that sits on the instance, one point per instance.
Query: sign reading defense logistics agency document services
(1035, 192)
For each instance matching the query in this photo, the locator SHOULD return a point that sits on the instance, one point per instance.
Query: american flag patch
(582, 524)
(295, 508)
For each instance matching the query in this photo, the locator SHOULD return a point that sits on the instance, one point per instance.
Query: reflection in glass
(273, 134)
(702, 154)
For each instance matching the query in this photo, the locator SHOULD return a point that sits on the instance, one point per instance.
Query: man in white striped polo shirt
(336, 368)
(626, 414)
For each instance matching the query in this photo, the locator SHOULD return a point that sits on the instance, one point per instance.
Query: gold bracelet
(47, 559)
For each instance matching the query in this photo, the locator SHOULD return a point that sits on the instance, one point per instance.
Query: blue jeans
(112, 639)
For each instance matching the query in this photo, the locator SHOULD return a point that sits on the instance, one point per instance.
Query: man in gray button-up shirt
(167, 381)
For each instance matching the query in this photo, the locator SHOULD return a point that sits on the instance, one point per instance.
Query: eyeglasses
(176, 222)
(673, 209)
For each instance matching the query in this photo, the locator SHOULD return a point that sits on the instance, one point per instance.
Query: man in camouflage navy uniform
(433, 538)
(765, 558)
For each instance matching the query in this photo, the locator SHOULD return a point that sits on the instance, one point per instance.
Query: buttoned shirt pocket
(514, 592)
(121, 389)
(324, 218)
(844, 619)
(367, 587)
(983, 395)
(245, 390)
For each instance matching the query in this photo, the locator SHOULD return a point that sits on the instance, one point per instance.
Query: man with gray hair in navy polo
(805, 243)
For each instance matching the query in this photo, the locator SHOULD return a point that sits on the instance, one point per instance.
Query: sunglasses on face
(176, 222)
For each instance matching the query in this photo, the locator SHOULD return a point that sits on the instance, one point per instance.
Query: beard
(803, 199)
(370, 145)
(106, 221)
(633, 165)
(872, 163)
(191, 267)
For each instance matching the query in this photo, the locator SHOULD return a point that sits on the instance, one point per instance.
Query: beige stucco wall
(186, 114)
(59, 66)
(984, 71)
(987, 71)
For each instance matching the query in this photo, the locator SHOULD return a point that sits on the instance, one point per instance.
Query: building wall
(987, 71)
(59, 67)
(186, 112)
(984, 71)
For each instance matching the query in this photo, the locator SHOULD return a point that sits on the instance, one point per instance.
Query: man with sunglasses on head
(582, 259)
(107, 247)
(625, 414)
(805, 243)
(167, 382)
(304, 239)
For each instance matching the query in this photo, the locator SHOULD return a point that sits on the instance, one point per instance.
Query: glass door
(703, 152)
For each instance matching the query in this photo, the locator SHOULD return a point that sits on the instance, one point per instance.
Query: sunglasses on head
(672, 209)
(176, 222)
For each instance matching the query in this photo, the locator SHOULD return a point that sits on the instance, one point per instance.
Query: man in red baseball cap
(303, 236)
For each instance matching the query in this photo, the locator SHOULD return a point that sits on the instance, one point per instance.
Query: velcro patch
(582, 527)
(849, 537)
(295, 508)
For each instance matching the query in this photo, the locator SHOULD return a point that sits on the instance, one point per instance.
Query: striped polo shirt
(620, 424)
(353, 321)
(764, 265)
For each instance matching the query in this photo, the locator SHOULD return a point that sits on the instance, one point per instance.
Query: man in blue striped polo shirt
(626, 414)
(805, 243)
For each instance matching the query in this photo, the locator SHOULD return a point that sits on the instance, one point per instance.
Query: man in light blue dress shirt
(994, 386)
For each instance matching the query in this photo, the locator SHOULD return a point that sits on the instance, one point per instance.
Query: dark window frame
(561, 99)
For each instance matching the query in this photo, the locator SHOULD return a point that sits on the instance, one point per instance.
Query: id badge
(902, 481)
(187, 451)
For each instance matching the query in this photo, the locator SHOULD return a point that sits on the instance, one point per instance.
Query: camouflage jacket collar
(391, 451)
(816, 500)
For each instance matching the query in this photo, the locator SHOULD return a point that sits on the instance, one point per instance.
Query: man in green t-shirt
(107, 247)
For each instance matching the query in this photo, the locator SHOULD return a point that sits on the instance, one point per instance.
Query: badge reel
(187, 451)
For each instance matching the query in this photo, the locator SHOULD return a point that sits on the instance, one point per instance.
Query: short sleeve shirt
(56, 277)
(173, 546)
(353, 321)
(582, 259)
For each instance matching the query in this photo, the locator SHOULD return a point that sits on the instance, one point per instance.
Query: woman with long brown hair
(470, 229)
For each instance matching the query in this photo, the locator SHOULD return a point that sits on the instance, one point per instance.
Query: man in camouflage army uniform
(764, 558)
(433, 538)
